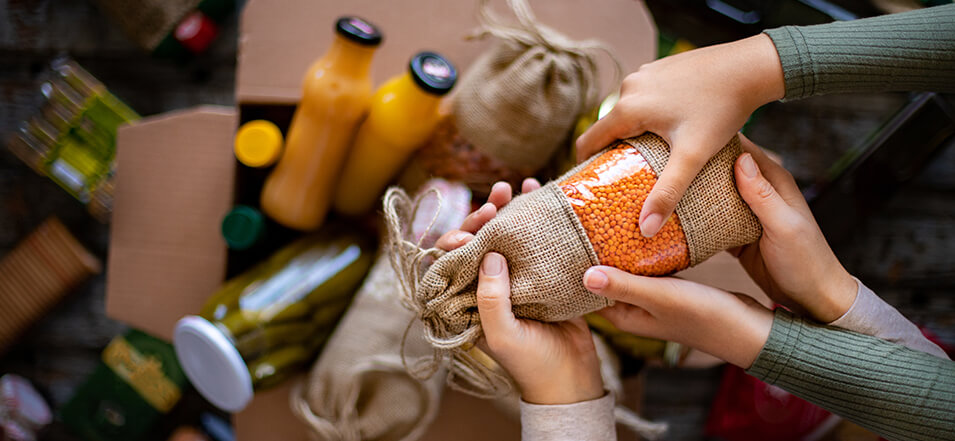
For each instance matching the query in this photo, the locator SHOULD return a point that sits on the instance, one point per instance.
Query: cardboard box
(176, 171)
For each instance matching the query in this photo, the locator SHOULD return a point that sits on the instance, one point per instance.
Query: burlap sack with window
(516, 105)
(360, 387)
(548, 248)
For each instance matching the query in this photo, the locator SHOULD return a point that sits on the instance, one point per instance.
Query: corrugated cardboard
(174, 184)
(278, 41)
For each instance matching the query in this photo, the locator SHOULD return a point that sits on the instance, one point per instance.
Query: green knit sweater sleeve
(910, 51)
(897, 392)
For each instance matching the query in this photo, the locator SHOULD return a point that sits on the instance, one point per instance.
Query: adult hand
(791, 262)
(696, 101)
(552, 363)
(729, 326)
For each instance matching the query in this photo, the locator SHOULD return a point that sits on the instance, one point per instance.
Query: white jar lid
(212, 363)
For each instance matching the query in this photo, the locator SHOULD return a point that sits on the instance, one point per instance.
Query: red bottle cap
(196, 32)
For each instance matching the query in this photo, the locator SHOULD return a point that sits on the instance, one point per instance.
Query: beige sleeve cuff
(585, 421)
(870, 315)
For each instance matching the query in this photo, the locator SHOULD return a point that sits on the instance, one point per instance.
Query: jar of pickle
(272, 320)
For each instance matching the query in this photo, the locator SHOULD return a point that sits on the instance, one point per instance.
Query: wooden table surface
(904, 252)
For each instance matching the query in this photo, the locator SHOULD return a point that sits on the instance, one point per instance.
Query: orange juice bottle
(404, 113)
(336, 96)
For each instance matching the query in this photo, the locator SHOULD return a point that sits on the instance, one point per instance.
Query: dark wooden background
(904, 252)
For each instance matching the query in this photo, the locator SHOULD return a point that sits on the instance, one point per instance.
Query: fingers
(478, 218)
(453, 239)
(684, 164)
(500, 194)
(778, 176)
(616, 284)
(494, 300)
(616, 125)
(767, 204)
(529, 185)
(629, 318)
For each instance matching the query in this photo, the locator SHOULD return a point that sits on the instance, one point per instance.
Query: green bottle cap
(243, 227)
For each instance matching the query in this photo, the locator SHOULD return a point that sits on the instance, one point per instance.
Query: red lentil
(607, 196)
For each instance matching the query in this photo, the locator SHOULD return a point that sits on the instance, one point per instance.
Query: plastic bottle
(404, 113)
(336, 96)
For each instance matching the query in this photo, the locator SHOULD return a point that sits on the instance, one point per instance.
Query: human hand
(552, 363)
(729, 326)
(791, 262)
(499, 197)
(695, 101)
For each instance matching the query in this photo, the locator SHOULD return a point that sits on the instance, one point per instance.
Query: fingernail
(748, 166)
(461, 236)
(486, 207)
(595, 280)
(651, 225)
(493, 264)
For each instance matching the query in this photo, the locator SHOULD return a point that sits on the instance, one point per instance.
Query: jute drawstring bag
(551, 236)
(360, 387)
(518, 102)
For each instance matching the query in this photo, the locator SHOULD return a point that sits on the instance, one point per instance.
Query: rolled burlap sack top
(548, 248)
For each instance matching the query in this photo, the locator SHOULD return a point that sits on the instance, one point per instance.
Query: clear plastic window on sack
(607, 195)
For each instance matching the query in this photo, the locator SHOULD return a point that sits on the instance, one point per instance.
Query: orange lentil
(607, 196)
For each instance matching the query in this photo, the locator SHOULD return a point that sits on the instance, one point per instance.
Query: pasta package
(551, 236)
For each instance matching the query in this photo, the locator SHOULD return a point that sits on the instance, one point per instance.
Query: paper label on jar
(144, 373)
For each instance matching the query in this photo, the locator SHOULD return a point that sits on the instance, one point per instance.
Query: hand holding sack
(551, 236)
(516, 105)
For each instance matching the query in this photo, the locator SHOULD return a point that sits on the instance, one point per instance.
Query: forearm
(588, 420)
(870, 315)
(892, 390)
(911, 51)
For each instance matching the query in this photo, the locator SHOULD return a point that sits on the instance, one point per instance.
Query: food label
(144, 373)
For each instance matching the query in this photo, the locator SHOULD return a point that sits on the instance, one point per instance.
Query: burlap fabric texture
(375, 379)
(360, 389)
(518, 102)
(548, 251)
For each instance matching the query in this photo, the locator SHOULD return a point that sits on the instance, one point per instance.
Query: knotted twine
(518, 102)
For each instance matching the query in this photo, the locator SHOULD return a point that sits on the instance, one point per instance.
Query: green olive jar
(271, 321)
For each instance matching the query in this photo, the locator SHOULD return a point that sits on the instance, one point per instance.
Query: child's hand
(696, 101)
(552, 363)
(791, 262)
(499, 197)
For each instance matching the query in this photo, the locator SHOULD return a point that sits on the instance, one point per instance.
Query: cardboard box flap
(174, 183)
(280, 40)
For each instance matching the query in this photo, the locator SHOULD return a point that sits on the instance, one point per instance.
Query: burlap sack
(519, 101)
(548, 251)
(364, 385)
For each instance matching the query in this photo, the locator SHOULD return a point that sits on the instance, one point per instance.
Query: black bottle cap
(358, 30)
(433, 73)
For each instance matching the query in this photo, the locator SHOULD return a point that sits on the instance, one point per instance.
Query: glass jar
(270, 321)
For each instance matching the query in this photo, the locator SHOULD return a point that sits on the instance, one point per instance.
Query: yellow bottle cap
(258, 143)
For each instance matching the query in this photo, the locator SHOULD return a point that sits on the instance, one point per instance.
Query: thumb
(494, 299)
(759, 193)
(682, 167)
(616, 284)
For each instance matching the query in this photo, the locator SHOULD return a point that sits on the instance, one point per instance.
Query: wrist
(759, 62)
(565, 389)
(836, 297)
